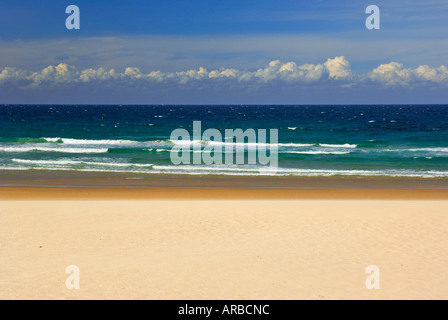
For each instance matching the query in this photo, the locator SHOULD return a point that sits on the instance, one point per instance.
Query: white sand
(301, 249)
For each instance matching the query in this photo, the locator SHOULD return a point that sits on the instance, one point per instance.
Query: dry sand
(214, 249)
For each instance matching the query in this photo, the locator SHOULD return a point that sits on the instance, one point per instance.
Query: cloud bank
(335, 71)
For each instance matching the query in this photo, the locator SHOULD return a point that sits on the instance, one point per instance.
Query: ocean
(317, 140)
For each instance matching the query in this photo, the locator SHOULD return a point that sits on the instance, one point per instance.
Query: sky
(224, 52)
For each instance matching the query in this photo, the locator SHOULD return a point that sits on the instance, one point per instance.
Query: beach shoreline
(53, 185)
(79, 179)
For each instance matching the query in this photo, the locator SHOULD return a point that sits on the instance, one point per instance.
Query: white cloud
(223, 73)
(61, 73)
(159, 76)
(311, 72)
(100, 74)
(11, 74)
(438, 75)
(394, 73)
(289, 71)
(133, 73)
(336, 71)
(186, 76)
(339, 68)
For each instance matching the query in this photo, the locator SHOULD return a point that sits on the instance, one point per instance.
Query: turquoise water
(399, 140)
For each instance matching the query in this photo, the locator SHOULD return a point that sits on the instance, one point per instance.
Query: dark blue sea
(318, 140)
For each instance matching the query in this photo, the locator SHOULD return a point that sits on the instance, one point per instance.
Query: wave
(239, 144)
(319, 152)
(80, 150)
(128, 151)
(72, 162)
(296, 145)
(347, 145)
(435, 149)
(157, 143)
(73, 169)
(23, 140)
(72, 141)
(296, 172)
(209, 168)
(429, 149)
(89, 142)
(50, 149)
(247, 171)
(253, 170)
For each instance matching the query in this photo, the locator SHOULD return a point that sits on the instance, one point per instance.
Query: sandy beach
(263, 248)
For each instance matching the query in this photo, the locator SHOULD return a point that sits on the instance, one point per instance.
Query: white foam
(197, 170)
(209, 168)
(52, 149)
(47, 162)
(296, 145)
(347, 145)
(430, 149)
(441, 150)
(319, 152)
(71, 162)
(184, 142)
(90, 142)
(252, 171)
(14, 168)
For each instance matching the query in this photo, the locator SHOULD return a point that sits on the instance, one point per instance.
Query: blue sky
(220, 52)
